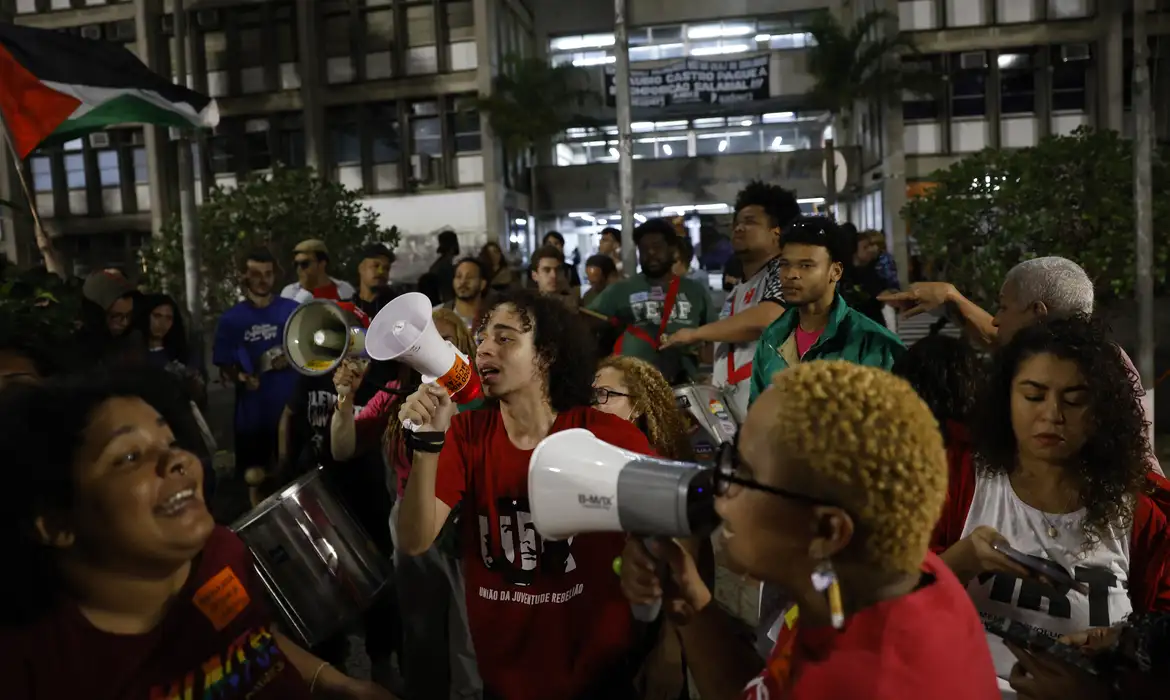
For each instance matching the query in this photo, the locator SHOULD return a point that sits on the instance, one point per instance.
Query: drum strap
(640, 333)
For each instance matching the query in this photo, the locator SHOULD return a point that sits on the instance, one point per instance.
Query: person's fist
(429, 409)
(347, 379)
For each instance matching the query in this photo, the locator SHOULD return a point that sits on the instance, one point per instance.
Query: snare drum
(320, 568)
(711, 422)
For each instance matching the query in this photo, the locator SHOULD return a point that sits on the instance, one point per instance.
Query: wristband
(430, 442)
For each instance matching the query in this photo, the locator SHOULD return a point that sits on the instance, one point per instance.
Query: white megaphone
(578, 484)
(405, 332)
(321, 333)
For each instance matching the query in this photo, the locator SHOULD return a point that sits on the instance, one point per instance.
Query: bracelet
(313, 683)
(430, 442)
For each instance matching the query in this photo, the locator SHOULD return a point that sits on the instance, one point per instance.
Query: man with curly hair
(819, 324)
(762, 212)
(547, 619)
(838, 473)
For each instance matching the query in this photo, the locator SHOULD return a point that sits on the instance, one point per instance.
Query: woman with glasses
(831, 491)
(636, 391)
(1059, 474)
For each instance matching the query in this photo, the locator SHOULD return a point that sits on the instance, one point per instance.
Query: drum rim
(269, 504)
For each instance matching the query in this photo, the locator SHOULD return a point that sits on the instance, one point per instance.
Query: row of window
(916, 15)
(680, 40)
(1020, 76)
(775, 132)
(117, 159)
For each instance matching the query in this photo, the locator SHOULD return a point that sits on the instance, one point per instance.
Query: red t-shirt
(928, 644)
(215, 642)
(548, 619)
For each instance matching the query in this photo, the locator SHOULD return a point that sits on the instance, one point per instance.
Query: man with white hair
(1031, 291)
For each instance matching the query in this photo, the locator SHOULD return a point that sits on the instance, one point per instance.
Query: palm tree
(533, 102)
(852, 64)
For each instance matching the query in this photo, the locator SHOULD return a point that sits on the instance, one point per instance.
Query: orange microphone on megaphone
(405, 332)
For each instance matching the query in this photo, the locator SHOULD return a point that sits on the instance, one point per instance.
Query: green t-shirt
(636, 302)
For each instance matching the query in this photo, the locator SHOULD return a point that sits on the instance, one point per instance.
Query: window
(290, 139)
(465, 125)
(379, 30)
(141, 169)
(345, 142)
(460, 20)
(286, 34)
(42, 173)
(108, 168)
(425, 129)
(917, 107)
(337, 39)
(256, 145)
(1069, 81)
(420, 25)
(223, 159)
(1017, 83)
(387, 144)
(215, 49)
(75, 171)
(969, 90)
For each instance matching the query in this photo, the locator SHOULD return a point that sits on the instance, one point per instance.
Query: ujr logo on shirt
(524, 551)
(647, 309)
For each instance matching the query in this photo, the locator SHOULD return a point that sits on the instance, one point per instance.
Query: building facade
(378, 94)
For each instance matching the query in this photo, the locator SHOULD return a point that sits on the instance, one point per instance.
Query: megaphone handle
(649, 612)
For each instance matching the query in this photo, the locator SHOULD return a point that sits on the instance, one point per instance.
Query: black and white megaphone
(321, 333)
(404, 331)
(579, 484)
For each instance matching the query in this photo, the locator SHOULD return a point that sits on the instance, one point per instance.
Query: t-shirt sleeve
(606, 303)
(298, 401)
(710, 313)
(772, 292)
(451, 480)
(223, 351)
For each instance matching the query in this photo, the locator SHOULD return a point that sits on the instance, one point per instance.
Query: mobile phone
(1031, 639)
(1055, 573)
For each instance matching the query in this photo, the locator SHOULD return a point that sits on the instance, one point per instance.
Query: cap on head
(312, 245)
(104, 288)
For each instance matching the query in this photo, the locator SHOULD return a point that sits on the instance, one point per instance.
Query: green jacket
(849, 336)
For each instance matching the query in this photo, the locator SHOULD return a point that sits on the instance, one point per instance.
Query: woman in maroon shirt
(126, 588)
(838, 474)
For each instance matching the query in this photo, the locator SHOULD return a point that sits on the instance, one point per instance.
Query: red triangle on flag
(31, 110)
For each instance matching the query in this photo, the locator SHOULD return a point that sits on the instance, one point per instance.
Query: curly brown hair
(865, 441)
(1114, 462)
(655, 409)
(463, 341)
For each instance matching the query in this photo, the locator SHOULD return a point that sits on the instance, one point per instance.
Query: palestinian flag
(55, 87)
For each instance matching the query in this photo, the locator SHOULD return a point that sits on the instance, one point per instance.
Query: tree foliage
(273, 211)
(37, 306)
(533, 102)
(1071, 196)
(849, 64)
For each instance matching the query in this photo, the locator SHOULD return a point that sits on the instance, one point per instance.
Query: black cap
(377, 250)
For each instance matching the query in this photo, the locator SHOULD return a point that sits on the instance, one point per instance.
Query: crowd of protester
(885, 500)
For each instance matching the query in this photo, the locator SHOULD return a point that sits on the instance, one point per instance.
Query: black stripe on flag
(57, 57)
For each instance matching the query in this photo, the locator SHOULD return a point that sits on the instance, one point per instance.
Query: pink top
(806, 339)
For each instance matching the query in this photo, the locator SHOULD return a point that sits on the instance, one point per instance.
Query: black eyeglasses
(601, 395)
(303, 264)
(728, 470)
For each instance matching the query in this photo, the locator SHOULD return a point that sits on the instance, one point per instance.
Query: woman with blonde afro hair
(831, 492)
(636, 391)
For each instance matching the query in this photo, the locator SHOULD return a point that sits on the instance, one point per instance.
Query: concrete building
(1018, 70)
(379, 94)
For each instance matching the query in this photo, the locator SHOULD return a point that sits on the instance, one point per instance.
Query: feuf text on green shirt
(849, 335)
(634, 301)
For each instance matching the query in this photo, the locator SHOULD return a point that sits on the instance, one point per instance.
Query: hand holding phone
(1044, 569)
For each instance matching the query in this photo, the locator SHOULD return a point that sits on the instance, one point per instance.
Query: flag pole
(44, 243)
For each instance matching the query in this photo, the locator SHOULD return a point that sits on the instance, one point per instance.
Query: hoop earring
(824, 580)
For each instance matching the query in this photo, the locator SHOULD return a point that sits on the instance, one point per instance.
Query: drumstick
(594, 314)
